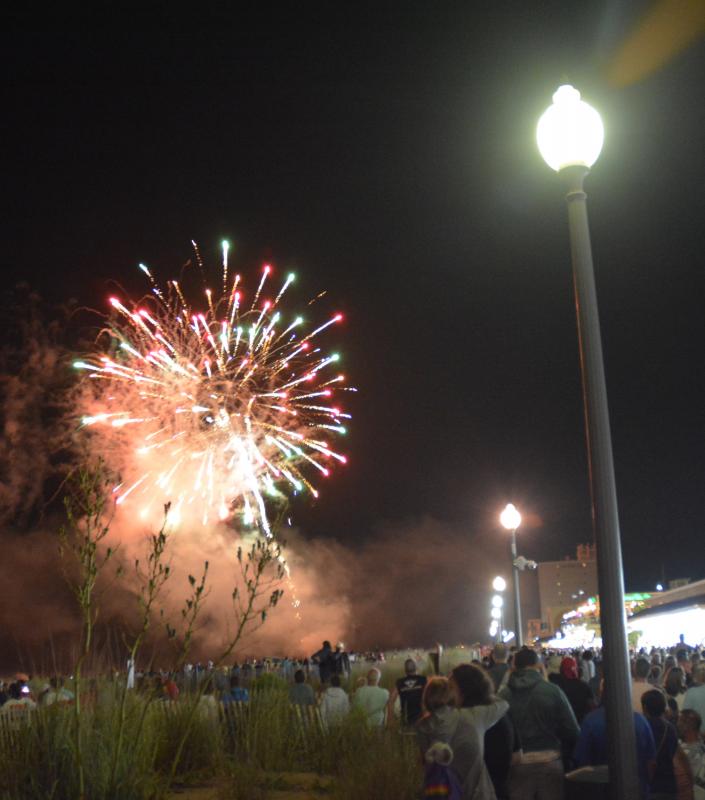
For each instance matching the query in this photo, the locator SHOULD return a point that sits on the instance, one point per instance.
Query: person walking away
(587, 666)
(675, 688)
(693, 746)
(683, 662)
(488, 714)
(334, 703)
(409, 690)
(499, 666)
(447, 737)
(301, 693)
(695, 696)
(552, 667)
(640, 682)
(579, 694)
(545, 724)
(670, 759)
(326, 662)
(372, 699)
(341, 662)
(592, 745)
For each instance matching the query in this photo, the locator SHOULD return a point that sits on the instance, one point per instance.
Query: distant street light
(499, 585)
(570, 136)
(511, 520)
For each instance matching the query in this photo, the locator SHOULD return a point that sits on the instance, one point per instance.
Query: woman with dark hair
(668, 664)
(675, 689)
(488, 716)
(671, 763)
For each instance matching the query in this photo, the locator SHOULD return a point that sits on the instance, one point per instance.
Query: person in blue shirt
(592, 745)
(237, 693)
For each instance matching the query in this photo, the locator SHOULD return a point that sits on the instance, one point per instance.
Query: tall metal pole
(517, 597)
(622, 755)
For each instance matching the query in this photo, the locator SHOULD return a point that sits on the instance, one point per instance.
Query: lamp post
(511, 520)
(570, 136)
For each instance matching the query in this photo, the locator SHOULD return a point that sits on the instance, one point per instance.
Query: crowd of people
(511, 727)
(17, 696)
(508, 726)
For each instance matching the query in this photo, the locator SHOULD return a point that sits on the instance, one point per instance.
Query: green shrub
(248, 746)
(268, 682)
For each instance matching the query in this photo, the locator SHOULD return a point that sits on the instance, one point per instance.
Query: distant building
(674, 616)
(684, 591)
(536, 628)
(678, 583)
(563, 585)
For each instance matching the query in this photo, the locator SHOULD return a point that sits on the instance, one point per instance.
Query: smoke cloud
(408, 583)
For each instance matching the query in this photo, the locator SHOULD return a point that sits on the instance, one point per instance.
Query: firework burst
(222, 409)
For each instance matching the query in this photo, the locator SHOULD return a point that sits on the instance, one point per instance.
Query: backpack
(440, 781)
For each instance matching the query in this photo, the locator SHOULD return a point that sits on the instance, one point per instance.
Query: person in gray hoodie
(442, 723)
(546, 727)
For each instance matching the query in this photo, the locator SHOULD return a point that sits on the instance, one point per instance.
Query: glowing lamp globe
(497, 601)
(495, 613)
(499, 584)
(510, 517)
(570, 132)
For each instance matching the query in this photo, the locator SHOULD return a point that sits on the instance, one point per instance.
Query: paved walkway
(276, 786)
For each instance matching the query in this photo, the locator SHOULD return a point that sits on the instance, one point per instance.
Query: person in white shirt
(640, 684)
(55, 692)
(694, 698)
(207, 704)
(334, 703)
(587, 666)
(372, 699)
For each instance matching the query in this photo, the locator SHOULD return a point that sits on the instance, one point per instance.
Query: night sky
(391, 160)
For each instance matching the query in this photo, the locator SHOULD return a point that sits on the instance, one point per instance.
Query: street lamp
(499, 584)
(511, 520)
(570, 136)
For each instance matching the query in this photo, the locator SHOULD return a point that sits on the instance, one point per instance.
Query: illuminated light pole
(511, 520)
(570, 136)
